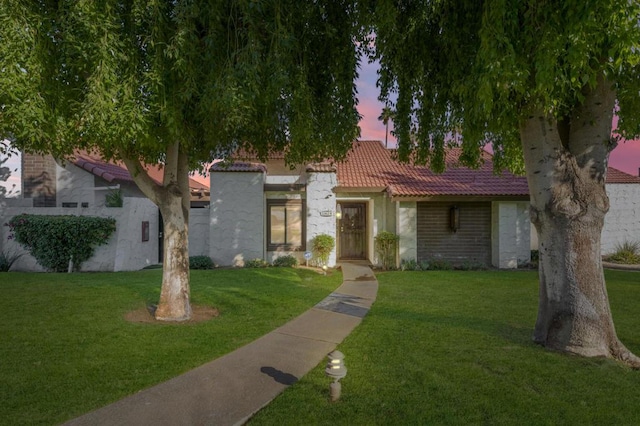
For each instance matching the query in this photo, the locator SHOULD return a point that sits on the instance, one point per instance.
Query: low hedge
(58, 241)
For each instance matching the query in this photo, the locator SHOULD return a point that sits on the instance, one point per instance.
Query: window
(285, 225)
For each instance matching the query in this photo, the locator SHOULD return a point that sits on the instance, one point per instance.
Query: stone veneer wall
(237, 217)
(321, 207)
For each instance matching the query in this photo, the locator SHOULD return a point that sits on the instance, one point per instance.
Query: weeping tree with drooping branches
(178, 83)
(540, 81)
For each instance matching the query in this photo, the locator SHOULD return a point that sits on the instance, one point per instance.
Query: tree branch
(140, 176)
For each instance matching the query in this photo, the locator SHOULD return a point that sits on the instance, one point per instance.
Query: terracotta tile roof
(238, 166)
(618, 176)
(117, 171)
(321, 167)
(371, 165)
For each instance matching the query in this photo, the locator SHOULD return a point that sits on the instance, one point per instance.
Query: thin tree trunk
(566, 165)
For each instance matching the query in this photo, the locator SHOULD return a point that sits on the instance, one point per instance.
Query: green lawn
(66, 349)
(455, 348)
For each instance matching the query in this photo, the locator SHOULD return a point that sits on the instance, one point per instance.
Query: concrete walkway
(230, 389)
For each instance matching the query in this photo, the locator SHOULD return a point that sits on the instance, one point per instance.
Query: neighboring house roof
(111, 172)
(617, 176)
(238, 166)
(370, 165)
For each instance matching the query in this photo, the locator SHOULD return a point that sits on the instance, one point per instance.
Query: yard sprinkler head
(336, 370)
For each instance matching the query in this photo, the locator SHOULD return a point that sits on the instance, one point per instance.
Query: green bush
(387, 246)
(256, 263)
(471, 265)
(440, 265)
(410, 265)
(287, 261)
(322, 245)
(627, 253)
(58, 241)
(113, 198)
(200, 262)
(7, 259)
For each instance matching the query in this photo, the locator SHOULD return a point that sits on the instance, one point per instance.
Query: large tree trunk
(173, 200)
(566, 163)
(174, 302)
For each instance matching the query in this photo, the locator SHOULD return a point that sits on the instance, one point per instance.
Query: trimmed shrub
(410, 265)
(387, 246)
(288, 261)
(256, 263)
(322, 245)
(200, 262)
(60, 241)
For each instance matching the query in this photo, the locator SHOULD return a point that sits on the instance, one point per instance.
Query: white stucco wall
(125, 251)
(407, 229)
(131, 252)
(75, 185)
(199, 227)
(321, 208)
(237, 217)
(622, 222)
(510, 234)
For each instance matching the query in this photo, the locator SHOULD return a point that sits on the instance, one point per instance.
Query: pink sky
(625, 157)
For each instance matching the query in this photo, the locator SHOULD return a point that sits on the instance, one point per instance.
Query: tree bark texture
(173, 200)
(566, 163)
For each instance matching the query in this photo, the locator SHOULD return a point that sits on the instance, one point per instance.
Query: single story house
(88, 185)
(86, 180)
(265, 210)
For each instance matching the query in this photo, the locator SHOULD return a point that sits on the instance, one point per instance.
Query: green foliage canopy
(467, 71)
(54, 240)
(130, 78)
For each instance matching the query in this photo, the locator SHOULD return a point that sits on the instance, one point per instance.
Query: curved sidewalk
(230, 389)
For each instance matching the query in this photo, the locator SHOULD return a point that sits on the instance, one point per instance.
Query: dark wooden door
(352, 229)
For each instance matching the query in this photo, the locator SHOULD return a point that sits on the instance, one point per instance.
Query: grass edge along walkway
(230, 389)
(455, 348)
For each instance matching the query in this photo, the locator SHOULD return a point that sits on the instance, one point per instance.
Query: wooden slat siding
(471, 243)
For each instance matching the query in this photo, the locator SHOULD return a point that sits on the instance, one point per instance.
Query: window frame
(274, 202)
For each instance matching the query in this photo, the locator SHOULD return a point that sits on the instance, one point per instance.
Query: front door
(352, 231)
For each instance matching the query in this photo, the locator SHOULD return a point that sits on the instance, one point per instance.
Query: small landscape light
(324, 269)
(336, 370)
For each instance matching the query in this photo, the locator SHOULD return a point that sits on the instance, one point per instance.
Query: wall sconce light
(336, 370)
(339, 212)
(454, 218)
